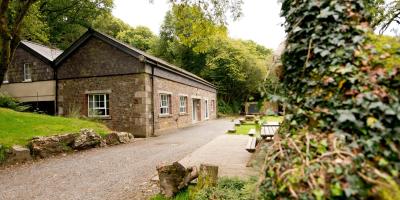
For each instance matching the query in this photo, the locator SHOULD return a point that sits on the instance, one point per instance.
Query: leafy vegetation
(18, 128)
(340, 138)
(9, 102)
(227, 189)
(191, 40)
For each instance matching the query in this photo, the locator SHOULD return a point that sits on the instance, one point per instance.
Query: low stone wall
(47, 146)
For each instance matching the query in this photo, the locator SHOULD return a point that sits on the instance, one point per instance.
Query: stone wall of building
(130, 103)
(40, 70)
(176, 119)
(98, 58)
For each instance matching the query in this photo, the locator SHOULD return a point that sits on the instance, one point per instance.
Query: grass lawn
(20, 127)
(245, 128)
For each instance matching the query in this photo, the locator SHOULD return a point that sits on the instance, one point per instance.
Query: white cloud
(260, 21)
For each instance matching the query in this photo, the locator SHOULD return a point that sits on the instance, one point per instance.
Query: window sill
(100, 117)
(27, 81)
(183, 114)
(164, 115)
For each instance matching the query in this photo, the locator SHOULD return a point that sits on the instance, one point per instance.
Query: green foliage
(18, 128)
(191, 40)
(341, 136)
(229, 189)
(12, 103)
(34, 26)
(109, 24)
(140, 37)
(182, 195)
(387, 50)
(216, 11)
(68, 20)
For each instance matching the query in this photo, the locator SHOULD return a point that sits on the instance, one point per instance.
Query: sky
(260, 21)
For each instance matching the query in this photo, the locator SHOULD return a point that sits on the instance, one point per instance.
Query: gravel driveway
(117, 172)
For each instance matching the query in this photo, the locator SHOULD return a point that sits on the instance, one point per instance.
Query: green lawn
(182, 195)
(20, 127)
(245, 128)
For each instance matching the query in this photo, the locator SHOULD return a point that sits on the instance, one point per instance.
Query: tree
(215, 11)
(12, 14)
(139, 37)
(68, 20)
(385, 14)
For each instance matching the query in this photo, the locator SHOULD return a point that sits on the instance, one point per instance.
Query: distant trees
(190, 39)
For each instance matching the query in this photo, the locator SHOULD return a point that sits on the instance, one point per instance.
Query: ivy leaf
(336, 189)
(371, 121)
(346, 115)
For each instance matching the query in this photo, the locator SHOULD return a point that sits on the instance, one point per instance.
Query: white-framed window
(27, 72)
(5, 79)
(165, 104)
(98, 105)
(212, 105)
(206, 114)
(182, 104)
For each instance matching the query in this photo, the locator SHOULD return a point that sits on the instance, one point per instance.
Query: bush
(229, 189)
(225, 108)
(12, 103)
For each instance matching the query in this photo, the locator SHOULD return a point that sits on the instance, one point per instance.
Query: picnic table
(269, 129)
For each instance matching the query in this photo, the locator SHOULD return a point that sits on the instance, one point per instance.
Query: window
(27, 72)
(206, 109)
(183, 104)
(5, 79)
(212, 105)
(99, 105)
(165, 104)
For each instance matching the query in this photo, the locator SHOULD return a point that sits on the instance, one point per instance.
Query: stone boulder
(115, 138)
(18, 154)
(87, 139)
(44, 147)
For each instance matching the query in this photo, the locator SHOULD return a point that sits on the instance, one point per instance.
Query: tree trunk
(175, 177)
(9, 32)
(208, 177)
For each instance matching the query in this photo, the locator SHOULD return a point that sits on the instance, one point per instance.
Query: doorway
(196, 111)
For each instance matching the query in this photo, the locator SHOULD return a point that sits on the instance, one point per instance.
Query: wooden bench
(250, 117)
(268, 130)
(251, 144)
(252, 132)
(232, 130)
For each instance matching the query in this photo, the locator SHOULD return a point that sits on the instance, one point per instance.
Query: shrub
(229, 189)
(12, 103)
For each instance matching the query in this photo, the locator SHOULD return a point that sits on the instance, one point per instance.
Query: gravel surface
(118, 172)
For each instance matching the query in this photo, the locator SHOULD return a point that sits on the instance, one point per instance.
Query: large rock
(44, 147)
(115, 138)
(18, 154)
(87, 139)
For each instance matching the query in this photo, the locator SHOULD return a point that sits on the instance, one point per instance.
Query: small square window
(165, 103)
(27, 72)
(182, 104)
(212, 105)
(98, 105)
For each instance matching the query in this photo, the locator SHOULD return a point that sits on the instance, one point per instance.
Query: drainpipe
(56, 97)
(153, 99)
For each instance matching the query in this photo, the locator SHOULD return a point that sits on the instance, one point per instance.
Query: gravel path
(118, 172)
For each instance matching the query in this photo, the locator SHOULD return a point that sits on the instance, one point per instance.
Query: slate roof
(139, 54)
(46, 52)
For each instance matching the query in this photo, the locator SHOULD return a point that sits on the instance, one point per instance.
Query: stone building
(31, 78)
(129, 90)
